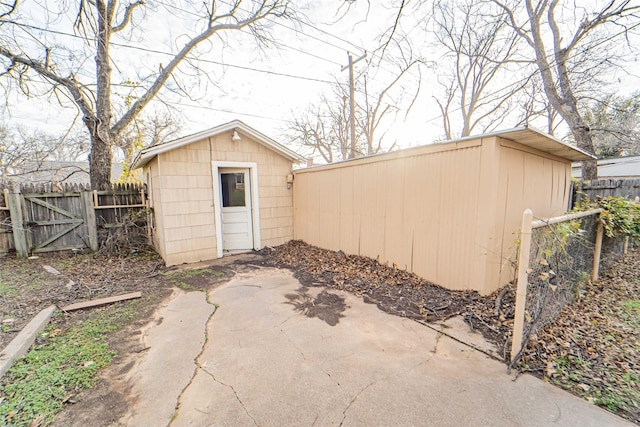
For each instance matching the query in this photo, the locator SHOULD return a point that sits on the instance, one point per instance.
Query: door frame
(217, 200)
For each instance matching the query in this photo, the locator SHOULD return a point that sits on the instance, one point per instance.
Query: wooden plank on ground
(101, 301)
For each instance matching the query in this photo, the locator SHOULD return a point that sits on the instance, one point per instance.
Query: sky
(264, 87)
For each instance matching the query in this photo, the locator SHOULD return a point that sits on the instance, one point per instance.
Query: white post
(523, 276)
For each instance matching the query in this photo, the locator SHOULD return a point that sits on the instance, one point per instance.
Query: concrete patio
(265, 351)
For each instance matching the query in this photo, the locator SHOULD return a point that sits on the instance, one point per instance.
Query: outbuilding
(449, 212)
(223, 190)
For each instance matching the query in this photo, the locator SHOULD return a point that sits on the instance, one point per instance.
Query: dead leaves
(393, 290)
(593, 347)
(396, 291)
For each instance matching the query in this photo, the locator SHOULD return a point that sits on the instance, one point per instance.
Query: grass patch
(18, 277)
(184, 285)
(190, 279)
(58, 366)
(7, 290)
(631, 306)
(187, 273)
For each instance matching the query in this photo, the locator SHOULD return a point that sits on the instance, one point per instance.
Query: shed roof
(539, 140)
(527, 136)
(147, 154)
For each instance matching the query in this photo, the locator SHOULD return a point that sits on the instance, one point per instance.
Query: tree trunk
(100, 162)
(589, 170)
(101, 135)
(582, 135)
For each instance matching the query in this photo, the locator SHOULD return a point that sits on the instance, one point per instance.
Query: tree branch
(12, 7)
(69, 83)
(127, 16)
(263, 11)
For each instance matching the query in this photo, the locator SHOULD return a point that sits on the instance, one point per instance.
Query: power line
(204, 107)
(304, 52)
(241, 67)
(287, 75)
(155, 51)
(280, 24)
(292, 28)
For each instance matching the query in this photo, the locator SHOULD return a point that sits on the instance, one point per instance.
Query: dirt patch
(26, 287)
(325, 306)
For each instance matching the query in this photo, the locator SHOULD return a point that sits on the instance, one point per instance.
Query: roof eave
(147, 154)
(551, 144)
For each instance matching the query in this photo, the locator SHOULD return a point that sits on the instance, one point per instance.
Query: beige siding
(187, 204)
(156, 194)
(439, 211)
(529, 179)
(276, 201)
(183, 195)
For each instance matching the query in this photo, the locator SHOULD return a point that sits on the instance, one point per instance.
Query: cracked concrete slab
(174, 342)
(270, 362)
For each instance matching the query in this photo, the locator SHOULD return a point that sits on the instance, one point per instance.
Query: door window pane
(232, 189)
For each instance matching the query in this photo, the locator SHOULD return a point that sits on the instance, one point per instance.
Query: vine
(621, 216)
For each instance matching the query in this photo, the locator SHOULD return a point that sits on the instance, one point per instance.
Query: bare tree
(323, 128)
(155, 129)
(615, 125)
(24, 153)
(534, 105)
(62, 71)
(378, 108)
(478, 46)
(581, 44)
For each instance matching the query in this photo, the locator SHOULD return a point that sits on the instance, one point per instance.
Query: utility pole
(352, 103)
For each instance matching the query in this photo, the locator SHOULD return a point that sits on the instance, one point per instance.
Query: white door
(237, 229)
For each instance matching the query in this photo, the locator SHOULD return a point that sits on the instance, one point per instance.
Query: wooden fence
(629, 188)
(46, 218)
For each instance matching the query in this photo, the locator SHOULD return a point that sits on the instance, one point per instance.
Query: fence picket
(42, 213)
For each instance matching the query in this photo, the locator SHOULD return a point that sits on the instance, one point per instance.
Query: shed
(449, 212)
(223, 190)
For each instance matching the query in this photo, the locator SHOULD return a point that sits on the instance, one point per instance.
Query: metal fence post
(523, 278)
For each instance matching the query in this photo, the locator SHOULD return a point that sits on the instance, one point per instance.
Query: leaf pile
(397, 291)
(393, 290)
(593, 347)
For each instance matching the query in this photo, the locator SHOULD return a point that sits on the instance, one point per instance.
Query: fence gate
(55, 221)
